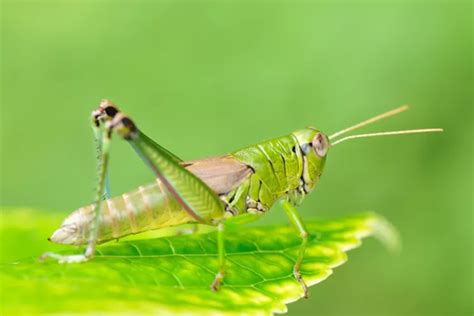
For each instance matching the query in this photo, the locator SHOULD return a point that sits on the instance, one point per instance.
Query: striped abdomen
(148, 207)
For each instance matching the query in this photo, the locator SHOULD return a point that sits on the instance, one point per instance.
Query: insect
(245, 183)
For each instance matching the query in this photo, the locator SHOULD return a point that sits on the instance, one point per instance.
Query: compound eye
(320, 144)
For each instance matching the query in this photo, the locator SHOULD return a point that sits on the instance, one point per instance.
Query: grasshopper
(243, 184)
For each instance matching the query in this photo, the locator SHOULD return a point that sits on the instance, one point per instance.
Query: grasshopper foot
(299, 278)
(64, 258)
(217, 281)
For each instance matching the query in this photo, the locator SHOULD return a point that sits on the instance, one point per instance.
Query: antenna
(393, 112)
(412, 131)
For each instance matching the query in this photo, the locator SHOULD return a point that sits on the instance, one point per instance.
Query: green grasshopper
(244, 184)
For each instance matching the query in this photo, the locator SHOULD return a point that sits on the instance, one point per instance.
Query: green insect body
(281, 168)
(207, 191)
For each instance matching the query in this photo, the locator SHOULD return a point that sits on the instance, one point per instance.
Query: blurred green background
(206, 77)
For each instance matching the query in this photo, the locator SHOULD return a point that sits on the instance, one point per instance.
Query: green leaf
(171, 275)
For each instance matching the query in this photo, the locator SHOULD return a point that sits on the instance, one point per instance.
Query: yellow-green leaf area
(172, 274)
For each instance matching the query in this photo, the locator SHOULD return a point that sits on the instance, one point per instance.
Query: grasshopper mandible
(207, 191)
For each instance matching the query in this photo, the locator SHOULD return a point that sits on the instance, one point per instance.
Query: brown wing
(222, 174)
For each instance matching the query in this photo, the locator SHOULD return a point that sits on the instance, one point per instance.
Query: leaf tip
(386, 233)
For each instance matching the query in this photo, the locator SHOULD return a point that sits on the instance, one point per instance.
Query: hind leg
(103, 133)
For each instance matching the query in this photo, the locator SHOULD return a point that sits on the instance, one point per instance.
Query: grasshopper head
(314, 146)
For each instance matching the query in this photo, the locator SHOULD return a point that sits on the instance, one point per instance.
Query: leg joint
(304, 234)
(110, 117)
(124, 126)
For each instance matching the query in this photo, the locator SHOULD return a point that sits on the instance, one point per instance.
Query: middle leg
(221, 257)
(296, 221)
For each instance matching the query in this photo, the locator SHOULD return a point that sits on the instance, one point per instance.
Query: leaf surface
(171, 275)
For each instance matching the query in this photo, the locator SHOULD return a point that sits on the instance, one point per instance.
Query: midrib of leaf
(173, 274)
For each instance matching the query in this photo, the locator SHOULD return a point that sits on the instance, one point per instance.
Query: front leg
(296, 221)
